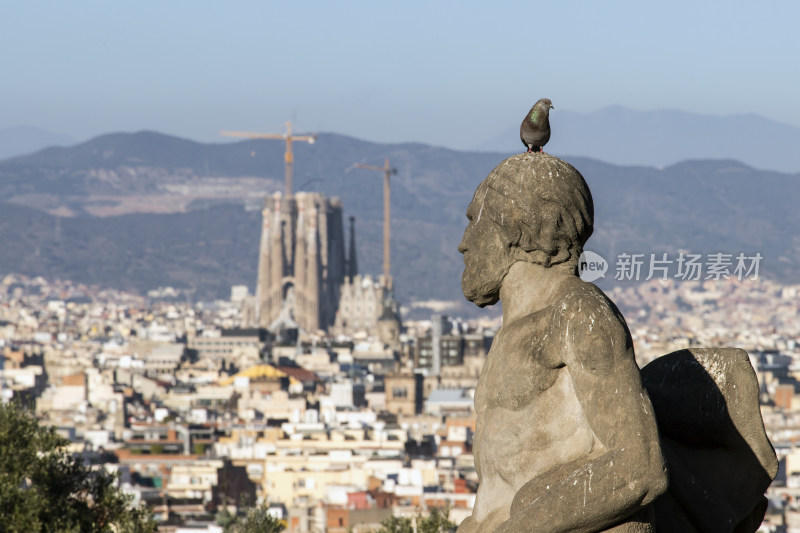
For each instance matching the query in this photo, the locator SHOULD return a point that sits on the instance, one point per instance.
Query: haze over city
(247, 333)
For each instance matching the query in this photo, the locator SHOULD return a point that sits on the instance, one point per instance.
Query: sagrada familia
(305, 279)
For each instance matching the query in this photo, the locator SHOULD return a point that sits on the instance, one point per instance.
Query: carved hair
(543, 206)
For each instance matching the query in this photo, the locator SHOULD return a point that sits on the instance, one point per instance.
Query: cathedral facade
(301, 265)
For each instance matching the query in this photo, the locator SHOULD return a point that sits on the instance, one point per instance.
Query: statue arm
(626, 470)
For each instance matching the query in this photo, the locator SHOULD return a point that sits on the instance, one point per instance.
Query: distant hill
(661, 138)
(211, 243)
(204, 251)
(20, 140)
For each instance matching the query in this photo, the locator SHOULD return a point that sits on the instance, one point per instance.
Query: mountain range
(20, 140)
(143, 210)
(614, 134)
(664, 137)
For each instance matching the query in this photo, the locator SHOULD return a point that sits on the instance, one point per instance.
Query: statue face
(486, 254)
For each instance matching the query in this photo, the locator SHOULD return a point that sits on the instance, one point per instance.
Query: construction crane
(387, 172)
(288, 157)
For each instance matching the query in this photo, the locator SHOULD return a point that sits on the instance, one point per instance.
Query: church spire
(352, 261)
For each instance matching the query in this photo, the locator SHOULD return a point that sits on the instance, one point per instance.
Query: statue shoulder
(582, 301)
(584, 317)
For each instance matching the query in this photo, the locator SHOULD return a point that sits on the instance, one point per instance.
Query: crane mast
(288, 155)
(387, 206)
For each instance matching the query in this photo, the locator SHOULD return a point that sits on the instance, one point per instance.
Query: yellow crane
(387, 207)
(288, 157)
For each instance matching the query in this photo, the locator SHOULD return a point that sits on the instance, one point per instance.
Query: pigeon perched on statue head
(535, 129)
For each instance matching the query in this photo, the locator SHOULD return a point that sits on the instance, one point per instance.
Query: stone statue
(567, 435)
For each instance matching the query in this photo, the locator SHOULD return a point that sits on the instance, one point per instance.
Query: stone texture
(567, 437)
(719, 458)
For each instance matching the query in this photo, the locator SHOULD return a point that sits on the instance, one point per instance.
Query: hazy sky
(446, 73)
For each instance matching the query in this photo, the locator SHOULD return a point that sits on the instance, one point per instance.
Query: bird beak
(552, 106)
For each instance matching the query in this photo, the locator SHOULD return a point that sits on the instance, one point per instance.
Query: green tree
(225, 519)
(257, 520)
(43, 488)
(436, 522)
(157, 449)
(397, 524)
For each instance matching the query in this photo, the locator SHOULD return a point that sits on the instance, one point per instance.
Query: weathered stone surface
(567, 437)
(719, 458)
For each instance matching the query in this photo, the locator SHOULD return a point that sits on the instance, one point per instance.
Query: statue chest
(521, 366)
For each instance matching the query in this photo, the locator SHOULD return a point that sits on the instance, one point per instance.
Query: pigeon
(534, 132)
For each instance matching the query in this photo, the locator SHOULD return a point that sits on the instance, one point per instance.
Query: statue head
(533, 208)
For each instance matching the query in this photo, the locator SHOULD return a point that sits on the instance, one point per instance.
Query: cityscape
(247, 282)
(319, 396)
(332, 430)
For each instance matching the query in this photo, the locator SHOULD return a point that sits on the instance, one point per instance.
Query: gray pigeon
(534, 132)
